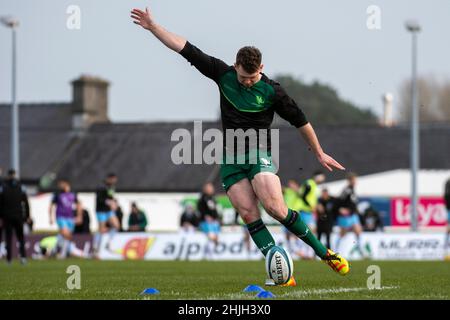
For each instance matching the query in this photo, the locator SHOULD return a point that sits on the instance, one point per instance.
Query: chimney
(90, 101)
(387, 110)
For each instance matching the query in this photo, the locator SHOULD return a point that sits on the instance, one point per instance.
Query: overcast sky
(324, 40)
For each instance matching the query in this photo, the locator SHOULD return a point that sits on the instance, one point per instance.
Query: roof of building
(45, 132)
(141, 155)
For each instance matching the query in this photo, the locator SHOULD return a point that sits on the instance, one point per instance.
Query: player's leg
(357, 229)
(288, 236)
(328, 236)
(210, 227)
(18, 228)
(113, 227)
(102, 218)
(342, 233)
(247, 241)
(267, 188)
(1, 237)
(8, 240)
(320, 232)
(66, 236)
(65, 226)
(309, 219)
(244, 200)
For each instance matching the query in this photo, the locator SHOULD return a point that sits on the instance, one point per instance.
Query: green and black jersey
(242, 107)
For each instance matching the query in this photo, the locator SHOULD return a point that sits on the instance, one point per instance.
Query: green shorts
(232, 172)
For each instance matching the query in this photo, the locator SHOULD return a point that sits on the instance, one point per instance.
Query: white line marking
(302, 293)
(297, 293)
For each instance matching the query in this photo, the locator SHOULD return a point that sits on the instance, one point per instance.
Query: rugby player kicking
(248, 100)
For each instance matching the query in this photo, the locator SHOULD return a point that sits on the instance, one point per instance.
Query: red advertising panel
(432, 212)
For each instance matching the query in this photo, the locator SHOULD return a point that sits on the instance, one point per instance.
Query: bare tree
(444, 100)
(434, 100)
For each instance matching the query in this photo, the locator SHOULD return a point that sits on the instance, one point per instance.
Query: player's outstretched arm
(325, 160)
(146, 21)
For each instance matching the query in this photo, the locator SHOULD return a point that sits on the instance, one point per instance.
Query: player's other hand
(328, 162)
(142, 18)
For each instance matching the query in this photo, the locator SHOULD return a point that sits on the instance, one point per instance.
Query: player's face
(320, 178)
(247, 79)
(209, 189)
(352, 181)
(64, 186)
(112, 181)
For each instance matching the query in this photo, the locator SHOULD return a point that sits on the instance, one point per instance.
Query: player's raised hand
(328, 162)
(142, 18)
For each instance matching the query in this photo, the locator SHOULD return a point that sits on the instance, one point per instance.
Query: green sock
(295, 224)
(261, 236)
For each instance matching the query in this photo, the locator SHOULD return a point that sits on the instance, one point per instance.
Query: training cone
(253, 288)
(265, 295)
(150, 291)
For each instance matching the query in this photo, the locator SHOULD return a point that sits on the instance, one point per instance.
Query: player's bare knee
(249, 215)
(276, 209)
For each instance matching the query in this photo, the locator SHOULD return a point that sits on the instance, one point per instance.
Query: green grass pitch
(220, 280)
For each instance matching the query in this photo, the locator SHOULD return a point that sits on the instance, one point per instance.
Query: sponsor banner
(231, 246)
(177, 246)
(431, 212)
(385, 246)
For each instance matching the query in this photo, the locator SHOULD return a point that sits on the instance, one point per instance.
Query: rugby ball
(279, 266)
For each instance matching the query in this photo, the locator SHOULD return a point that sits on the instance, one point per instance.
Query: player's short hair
(249, 58)
(63, 180)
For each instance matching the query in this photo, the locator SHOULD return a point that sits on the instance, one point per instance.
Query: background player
(66, 203)
(348, 218)
(105, 208)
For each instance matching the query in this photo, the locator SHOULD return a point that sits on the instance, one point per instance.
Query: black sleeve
(201, 207)
(306, 192)
(447, 195)
(101, 196)
(1, 199)
(26, 205)
(183, 218)
(287, 108)
(209, 66)
(55, 198)
(98, 197)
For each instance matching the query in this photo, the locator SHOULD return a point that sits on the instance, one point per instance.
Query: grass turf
(219, 280)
